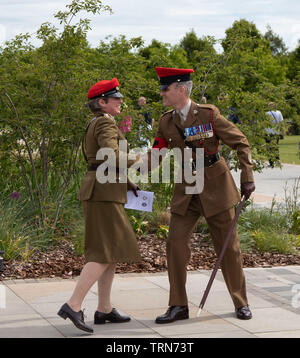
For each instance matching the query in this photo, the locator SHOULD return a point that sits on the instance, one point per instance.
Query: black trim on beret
(177, 78)
(111, 93)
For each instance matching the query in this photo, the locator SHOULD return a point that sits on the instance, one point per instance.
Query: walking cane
(213, 275)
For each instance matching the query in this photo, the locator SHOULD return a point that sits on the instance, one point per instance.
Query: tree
(41, 107)
(194, 46)
(243, 34)
(277, 44)
(294, 64)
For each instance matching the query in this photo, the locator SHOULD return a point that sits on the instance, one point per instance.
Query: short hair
(271, 104)
(188, 85)
(94, 106)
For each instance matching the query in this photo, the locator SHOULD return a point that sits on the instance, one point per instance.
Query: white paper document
(142, 202)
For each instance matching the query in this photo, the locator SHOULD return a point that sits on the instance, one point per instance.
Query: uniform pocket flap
(87, 186)
(216, 169)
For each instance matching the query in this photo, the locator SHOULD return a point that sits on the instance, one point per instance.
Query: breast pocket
(175, 141)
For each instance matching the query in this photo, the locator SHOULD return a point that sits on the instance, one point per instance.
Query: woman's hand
(135, 189)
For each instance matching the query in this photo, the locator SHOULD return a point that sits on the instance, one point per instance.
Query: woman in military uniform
(109, 238)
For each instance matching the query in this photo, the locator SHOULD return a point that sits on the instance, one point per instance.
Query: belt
(208, 160)
(211, 159)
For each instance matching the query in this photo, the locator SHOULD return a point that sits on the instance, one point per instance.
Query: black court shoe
(243, 313)
(173, 314)
(76, 317)
(114, 316)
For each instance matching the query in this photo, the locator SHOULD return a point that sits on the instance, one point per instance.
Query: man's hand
(135, 189)
(247, 189)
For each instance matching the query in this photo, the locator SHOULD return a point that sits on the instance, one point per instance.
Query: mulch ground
(62, 261)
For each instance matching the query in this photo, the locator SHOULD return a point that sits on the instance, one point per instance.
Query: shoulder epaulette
(166, 113)
(107, 116)
(207, 106)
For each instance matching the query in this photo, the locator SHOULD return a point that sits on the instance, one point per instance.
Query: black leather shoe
(114, 316)
(76, 317)
(243, 312)
(174, 313)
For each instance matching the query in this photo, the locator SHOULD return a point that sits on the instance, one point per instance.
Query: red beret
(105, 89)
(170, 75)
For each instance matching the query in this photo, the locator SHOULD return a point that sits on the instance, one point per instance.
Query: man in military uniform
(216, 201)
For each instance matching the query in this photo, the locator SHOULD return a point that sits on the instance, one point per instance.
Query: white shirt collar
(185, 110)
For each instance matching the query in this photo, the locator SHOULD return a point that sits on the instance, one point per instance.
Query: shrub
(272, 241)
(14, 234)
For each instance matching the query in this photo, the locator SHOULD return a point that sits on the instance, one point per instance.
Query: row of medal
(199, 132)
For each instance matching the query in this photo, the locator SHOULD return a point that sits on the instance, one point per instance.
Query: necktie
(182, 119)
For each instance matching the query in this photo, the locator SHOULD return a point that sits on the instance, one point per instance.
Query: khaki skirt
(109, 237)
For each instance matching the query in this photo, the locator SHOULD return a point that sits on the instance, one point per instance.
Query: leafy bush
(14, 234)
(294, 126)
(139, 225)
(296, 222)
(272, 241)
(162, 232)
(77, 236)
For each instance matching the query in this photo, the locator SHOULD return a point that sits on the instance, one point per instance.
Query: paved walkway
(273, 183)
(28, 307)
(273, 293)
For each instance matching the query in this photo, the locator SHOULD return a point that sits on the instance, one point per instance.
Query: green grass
(268, 231)
(288, 149)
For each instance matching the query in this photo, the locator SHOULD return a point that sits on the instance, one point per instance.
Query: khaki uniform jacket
(220, 192)
(103, 132)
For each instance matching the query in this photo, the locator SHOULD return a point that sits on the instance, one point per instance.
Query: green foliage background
(43, 92)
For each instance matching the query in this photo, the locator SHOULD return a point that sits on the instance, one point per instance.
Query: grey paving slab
(216, 299)
(268, 320)
(280, 334)
(278, 288)
(280, 278)
(37, 290)
(293, 278)
(281, 271)
(149, 298)
(295, 269)
(32, 307)
(130, 329)
(27, 326)
(14, 305)
(226, 334)
(207, 323)
(265, 284)
(20, 320)
(136, 283)
(195, 282)
(134, 328)
(220, 302)
(288, 296)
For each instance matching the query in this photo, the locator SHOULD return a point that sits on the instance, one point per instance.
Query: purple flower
(15, 195)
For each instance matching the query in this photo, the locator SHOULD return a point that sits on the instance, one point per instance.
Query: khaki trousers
(178, 253)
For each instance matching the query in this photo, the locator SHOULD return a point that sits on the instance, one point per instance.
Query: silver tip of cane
(199, 312)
